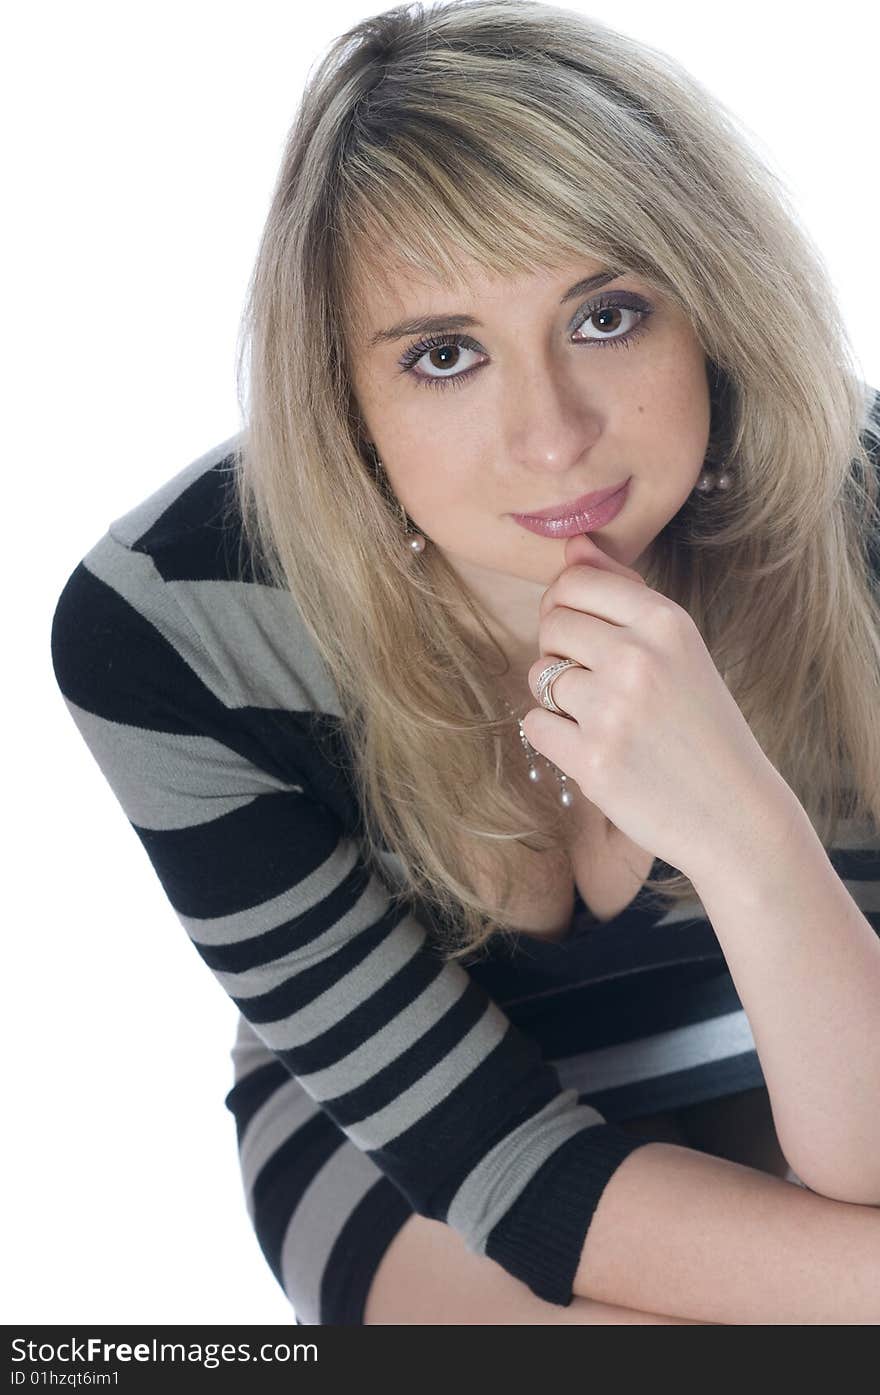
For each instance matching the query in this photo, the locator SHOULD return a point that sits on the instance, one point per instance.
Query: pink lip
(581, 515)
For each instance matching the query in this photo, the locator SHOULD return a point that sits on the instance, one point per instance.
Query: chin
(541, 575)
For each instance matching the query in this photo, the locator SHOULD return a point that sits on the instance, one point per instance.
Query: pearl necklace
(566, 798)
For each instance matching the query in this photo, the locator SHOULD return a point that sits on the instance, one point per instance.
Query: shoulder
(190, 526)
(171, 579)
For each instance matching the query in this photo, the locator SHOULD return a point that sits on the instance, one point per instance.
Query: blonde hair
(531, 134)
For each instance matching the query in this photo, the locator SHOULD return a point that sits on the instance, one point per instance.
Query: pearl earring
(415, 541)
(710, 480)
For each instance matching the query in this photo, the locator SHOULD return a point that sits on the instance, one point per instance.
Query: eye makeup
(613, 300)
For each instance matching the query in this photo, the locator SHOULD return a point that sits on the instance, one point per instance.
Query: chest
(593, 858)
(608, 869)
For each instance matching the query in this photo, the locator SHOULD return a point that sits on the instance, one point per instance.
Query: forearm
(806, 965)
(680, 1232)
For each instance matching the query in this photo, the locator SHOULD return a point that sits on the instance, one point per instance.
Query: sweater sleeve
(407, 1054)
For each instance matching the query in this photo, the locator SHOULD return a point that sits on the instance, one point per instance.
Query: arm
(806, 965)
(717, 1242)
(408, 1056)
(645, 713)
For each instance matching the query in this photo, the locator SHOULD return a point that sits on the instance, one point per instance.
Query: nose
(548, 423)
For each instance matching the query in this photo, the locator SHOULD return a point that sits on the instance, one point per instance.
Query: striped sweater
(490, 1095)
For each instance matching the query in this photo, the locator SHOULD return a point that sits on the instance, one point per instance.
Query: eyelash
(614, 301)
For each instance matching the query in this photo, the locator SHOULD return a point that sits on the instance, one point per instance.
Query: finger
(582, 549)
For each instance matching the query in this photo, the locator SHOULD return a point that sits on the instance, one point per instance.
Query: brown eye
(606, 318)
(602, 315)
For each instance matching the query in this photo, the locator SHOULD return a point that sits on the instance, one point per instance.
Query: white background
(142, 142)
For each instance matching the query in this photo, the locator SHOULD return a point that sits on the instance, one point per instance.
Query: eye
(607, 312)
(443, 349)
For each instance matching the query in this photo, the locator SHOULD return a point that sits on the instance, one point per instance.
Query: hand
(655, 739)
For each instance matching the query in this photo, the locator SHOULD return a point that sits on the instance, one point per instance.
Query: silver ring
(545, 681)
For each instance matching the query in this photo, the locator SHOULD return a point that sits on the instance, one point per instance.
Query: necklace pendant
(566, 798)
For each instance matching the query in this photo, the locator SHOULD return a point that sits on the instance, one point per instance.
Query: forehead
(390, 288)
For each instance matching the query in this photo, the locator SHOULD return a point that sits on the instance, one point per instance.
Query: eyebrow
(434, 324)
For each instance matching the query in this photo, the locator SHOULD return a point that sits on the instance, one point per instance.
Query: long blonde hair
(531, 134)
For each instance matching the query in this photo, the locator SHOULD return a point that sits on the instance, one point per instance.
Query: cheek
(681, 427)
(433, 487)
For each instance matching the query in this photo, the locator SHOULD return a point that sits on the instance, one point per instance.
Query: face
(542, 399)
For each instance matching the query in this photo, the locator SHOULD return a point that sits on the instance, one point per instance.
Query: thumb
(582, 550)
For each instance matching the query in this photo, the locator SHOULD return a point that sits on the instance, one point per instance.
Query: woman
(541, 862)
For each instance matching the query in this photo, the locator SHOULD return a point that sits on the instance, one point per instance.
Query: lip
(583, 515)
